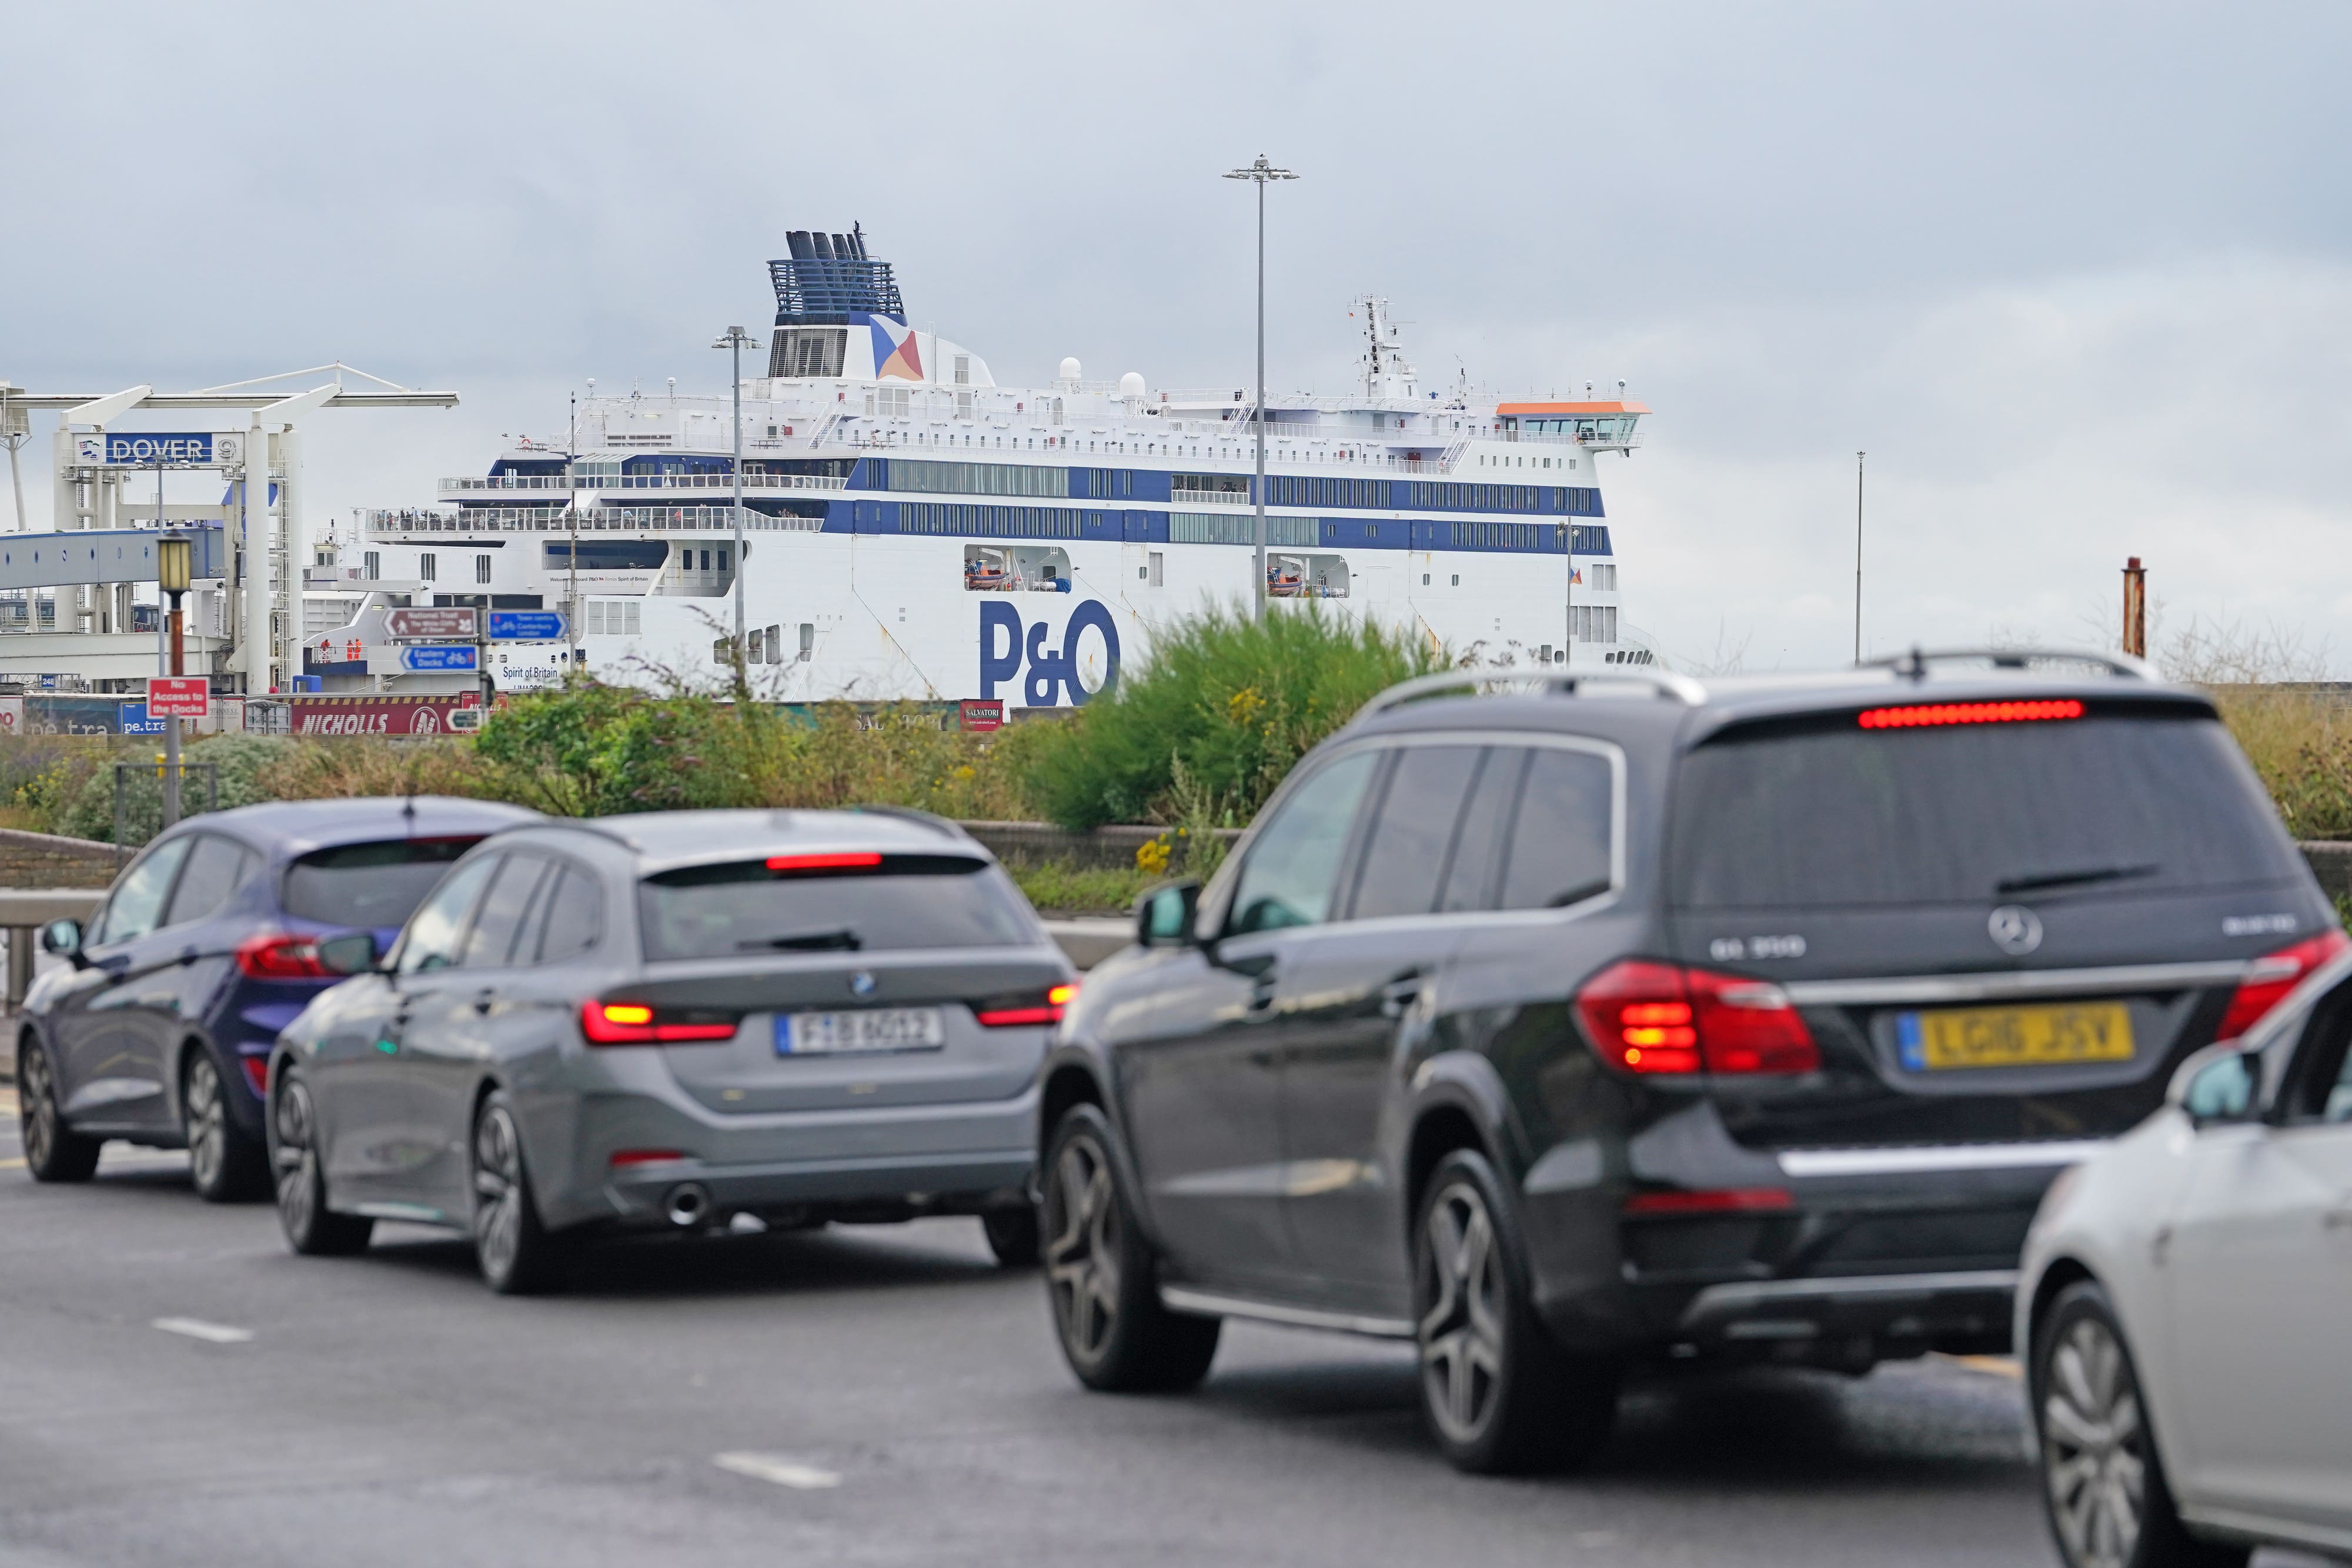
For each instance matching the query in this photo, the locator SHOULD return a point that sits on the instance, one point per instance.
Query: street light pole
(735, 338)
(1857, 555)
(1259, 173)
(171, 574)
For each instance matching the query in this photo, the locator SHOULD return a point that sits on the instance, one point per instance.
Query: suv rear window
(908, 901)
(376, 885)
(1838, 817)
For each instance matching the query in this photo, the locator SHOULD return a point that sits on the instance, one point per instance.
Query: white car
(2185, 1305)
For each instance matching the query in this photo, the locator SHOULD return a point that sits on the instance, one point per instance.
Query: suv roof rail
(1914, 663)
(1661, 683)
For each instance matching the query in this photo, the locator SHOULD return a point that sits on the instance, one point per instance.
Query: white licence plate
(868, 1029)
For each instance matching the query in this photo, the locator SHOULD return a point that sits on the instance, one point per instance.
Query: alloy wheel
(1461, 1333)
(1082, 1259)
(297, 1158)
(2095, 1446)
(207, 1122)
(37, 1108)
(498, 1191)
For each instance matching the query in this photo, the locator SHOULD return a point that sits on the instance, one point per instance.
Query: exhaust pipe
(688, 1206)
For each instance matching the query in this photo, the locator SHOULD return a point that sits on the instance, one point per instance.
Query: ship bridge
(1605, 426)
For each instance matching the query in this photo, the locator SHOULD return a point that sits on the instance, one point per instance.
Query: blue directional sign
(148, 447)
(136, 722)
(439, 656)
(527, 625)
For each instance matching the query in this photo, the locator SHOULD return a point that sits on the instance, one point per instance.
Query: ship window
(426, 567)
(808, 641)
(723, 558)
(482, 568)
(1457, 579)
(1158, 569)
(371, 566)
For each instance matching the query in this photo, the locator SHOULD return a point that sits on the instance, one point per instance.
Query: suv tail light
(640, 1023)
(2271, 977)
(1647, 1017)
(274, 955)
(1034, 1008)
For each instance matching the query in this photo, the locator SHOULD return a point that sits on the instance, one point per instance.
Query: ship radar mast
(1387, 375)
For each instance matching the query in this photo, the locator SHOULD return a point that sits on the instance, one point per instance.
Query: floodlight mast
(735, 338)
(1259, 173)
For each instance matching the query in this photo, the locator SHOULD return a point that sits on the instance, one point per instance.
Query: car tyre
(2102, 1484)
(312, 1229)
(53, 1151)
(519, 1255)
(1102, 1277)
(227, 1164)
(1012, 1235)
(1499, 1395)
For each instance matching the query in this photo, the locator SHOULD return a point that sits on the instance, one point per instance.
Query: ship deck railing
(584, 520)
(562, 484)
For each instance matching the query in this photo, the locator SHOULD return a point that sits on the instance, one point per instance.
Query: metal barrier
(122, 771)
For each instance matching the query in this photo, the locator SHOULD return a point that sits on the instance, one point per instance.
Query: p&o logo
(1086, 664)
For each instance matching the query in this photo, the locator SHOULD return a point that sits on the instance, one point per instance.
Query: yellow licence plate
(2013, 1037)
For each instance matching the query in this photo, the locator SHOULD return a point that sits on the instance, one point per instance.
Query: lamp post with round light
(735, 338)
(1260, 172)
(172, 567)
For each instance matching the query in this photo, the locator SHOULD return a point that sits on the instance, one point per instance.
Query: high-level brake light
(638, 1023)
(2271, 977)
(1652, 1018)
(845, 861)
(1931, 715)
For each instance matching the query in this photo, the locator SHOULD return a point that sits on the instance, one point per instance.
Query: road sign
(179, 697)
(439, 656)
(527, 625)
(136, 720)
(420, 621)
(145, 448)
(465, 721)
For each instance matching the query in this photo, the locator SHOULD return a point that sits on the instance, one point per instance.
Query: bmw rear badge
(861, 984)
(2015, 929)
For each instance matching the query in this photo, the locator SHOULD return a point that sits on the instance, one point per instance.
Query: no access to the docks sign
(179, 697)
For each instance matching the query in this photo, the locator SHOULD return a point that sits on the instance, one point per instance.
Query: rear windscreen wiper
(844, 940)
(2041, 881)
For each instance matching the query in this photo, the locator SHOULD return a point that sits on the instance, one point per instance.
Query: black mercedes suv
(1620, 1017)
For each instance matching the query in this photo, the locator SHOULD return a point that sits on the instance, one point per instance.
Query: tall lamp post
(1260, 172)
(1857, 556)
(171, 576)
(735, 338)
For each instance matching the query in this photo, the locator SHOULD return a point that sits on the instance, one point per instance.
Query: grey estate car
(1626, 1018)
(671, 1020)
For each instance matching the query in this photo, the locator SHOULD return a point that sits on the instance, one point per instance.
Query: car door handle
(1261, 995)
(484, 1000)
(1398, 996)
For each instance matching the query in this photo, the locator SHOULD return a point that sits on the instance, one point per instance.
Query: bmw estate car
(672, 1022)
(1622, 1016)
(160, 1029)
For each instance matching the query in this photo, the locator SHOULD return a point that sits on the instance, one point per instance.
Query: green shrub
(1207, 727)
(244, 763)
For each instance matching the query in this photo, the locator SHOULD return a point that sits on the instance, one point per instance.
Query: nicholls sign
(375, 714)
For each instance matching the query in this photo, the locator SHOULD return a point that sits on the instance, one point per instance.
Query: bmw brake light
(641, 1023)
(1651, 1018)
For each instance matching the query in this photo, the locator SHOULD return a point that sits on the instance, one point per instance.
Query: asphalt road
(176, 1388)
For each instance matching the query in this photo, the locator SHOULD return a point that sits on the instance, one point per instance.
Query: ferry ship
(915, 529)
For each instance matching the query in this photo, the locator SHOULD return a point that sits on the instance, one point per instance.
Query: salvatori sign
(376, 714)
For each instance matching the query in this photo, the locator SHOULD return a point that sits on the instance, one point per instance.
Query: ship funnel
(824, 243)
(797, 242)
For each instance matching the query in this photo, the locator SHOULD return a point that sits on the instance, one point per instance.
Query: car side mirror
(63, 937)
(355, 954)
(2219, 1084)
(1164, 916)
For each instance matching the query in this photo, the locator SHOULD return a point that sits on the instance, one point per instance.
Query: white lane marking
(196, 1328)
(777, 1471)
(11, 1164)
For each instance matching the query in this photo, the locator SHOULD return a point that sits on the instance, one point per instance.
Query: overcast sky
(2079, 278)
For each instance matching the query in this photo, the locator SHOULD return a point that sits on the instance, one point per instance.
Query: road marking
(777, 1471)
(11, 1164)
(211, 1333)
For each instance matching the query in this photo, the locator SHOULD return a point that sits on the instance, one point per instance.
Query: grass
(1058, 889)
